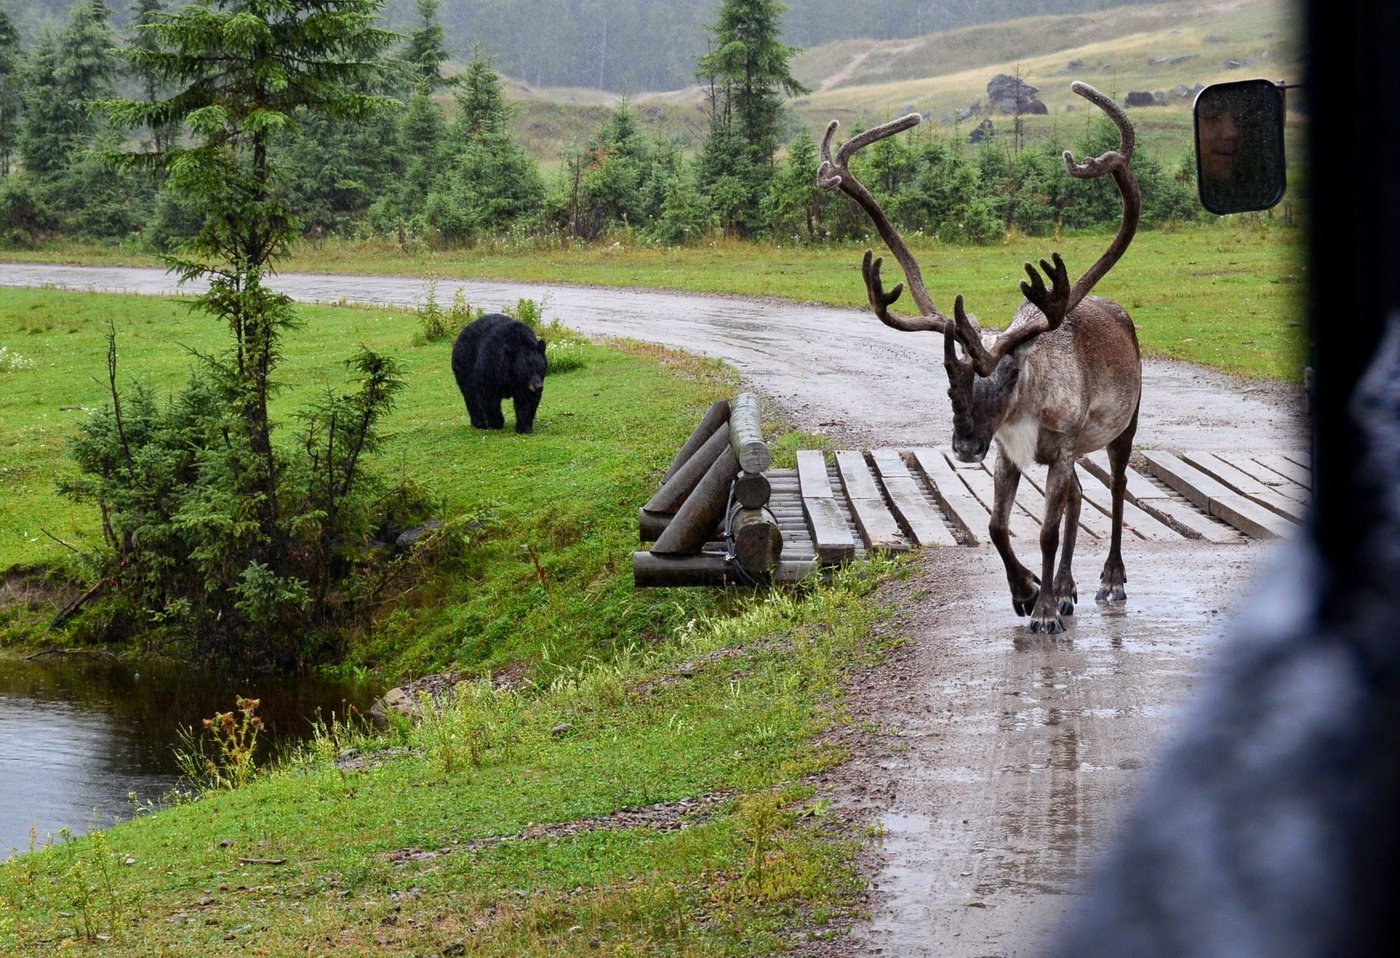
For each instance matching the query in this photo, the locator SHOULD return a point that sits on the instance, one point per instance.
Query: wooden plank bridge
(843, 506)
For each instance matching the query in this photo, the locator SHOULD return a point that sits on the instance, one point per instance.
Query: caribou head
(1062, 380)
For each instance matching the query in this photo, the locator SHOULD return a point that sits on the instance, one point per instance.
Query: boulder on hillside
(1013, 95)
(1144, 98)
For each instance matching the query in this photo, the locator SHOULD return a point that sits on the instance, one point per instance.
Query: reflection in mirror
(1239, 146)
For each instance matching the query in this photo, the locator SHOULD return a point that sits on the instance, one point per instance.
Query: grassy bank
(639, 786)
(533, 561)
(1227, 294)
(653, 803)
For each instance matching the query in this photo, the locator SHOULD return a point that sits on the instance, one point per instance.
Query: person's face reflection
(1220, 140)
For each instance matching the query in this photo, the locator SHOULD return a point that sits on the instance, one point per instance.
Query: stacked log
(715, 486)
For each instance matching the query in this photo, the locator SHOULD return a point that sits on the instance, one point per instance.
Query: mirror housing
(1239, 146)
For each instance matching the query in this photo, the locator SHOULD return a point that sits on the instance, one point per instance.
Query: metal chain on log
(698, 518)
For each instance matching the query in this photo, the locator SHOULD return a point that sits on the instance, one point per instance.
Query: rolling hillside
(1156, 47)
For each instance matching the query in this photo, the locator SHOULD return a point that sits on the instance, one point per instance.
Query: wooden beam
(698, 517)
(757, 540)
(652, 524)
(752, 490)
(746, 434)
(716, 416)
(650, 571)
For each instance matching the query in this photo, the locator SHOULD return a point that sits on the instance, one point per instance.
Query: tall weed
(224, 753)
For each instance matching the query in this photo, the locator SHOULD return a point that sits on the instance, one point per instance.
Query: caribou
(1064, 379)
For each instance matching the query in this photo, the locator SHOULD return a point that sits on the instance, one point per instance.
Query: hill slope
(1156, 47)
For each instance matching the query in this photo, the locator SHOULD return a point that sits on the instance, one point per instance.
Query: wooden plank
(831, 536)
(1283, 467)
(832, 540)
(1272, 481)
(856, 477)
(1299, 458)
(811, 474)
(1216, 498)
(1244, 484)
(983, 486)
(795, 570)
(920, 517)
(877, 526)
(1136, 522)
(962, 507)
(1158, 502)
(1139, 486)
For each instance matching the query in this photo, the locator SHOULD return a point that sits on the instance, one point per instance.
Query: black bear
(495, 358)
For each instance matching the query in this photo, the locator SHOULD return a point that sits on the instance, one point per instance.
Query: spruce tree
(490, 182)
(424, 53)
(236, 550)
(48, 128)
(144, 15)
(11, 87)
(748, 75)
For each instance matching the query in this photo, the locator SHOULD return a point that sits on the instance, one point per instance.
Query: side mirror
(1239, 146)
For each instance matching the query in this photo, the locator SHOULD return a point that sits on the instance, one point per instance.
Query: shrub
(564, 356)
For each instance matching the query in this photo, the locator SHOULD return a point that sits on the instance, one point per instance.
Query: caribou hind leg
(1025, 587)
(1115, 577)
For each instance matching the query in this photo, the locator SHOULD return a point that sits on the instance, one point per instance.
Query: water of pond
(79, 736)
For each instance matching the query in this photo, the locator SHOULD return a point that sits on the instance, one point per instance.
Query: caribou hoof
(1111, 593)
(1045, 625)
(1067, 599)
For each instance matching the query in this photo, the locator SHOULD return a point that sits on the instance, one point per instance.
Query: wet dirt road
(994, 762)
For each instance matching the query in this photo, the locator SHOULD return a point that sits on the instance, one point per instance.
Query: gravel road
(994, 762)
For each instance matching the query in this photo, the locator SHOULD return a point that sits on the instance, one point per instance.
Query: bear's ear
(541, 345)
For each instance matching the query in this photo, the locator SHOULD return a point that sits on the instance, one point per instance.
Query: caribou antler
(1053, 304)
(1060, 299)
(1116, 163)
(835, 174)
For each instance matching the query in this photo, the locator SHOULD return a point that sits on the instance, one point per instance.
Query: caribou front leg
(1066, 595)
(1061, 500)
(1025, 587)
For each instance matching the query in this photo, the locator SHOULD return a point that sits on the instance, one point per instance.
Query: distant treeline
(629, 46)
(444, 169)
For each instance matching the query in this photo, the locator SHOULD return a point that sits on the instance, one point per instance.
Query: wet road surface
(1001, 759)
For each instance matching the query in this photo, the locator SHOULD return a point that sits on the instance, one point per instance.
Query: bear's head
(531, 366)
